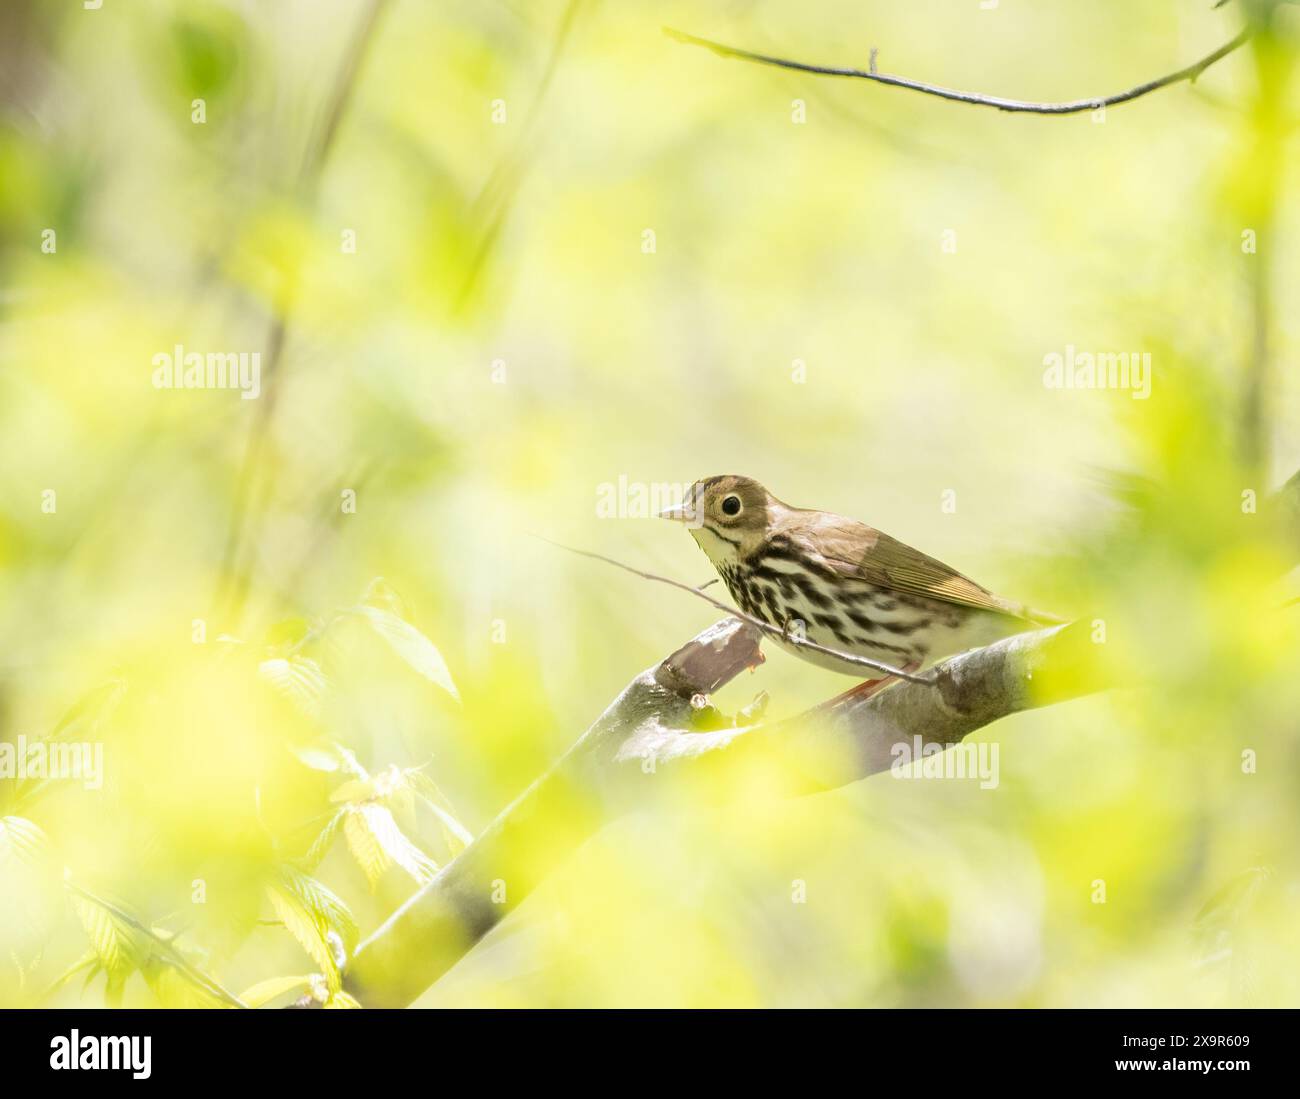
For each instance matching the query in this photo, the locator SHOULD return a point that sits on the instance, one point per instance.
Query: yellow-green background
(522, 242)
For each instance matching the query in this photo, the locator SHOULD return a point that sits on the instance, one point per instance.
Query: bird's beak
(688, 511)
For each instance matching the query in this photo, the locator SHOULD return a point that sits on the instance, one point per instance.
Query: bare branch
(646, 750)
(1022, 106)
(852, 737)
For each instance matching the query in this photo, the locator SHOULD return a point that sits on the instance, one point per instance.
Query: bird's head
(728, 516)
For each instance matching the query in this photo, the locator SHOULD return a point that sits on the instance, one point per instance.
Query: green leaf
(458, 836)
(394, 842)
(22, 841)
(297, 678)
(83, 719)
(318, 757)
(380, 593)
(172, 987)
(88, 962)
(118, 946)
(342, 999)
(310, 911)
(265, 991)
(365, 848)
(304, 926)
(322, 843)
(115, 987)
(82, 722)
(355, 790)
(328, 905)
(411, 645)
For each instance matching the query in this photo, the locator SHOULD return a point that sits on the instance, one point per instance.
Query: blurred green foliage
(289, 746)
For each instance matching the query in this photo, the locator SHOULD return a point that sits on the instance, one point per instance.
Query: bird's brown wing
(856, 550)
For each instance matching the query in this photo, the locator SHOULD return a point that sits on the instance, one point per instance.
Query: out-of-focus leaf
(265, 991)
(83, 722)
(318, 758)
(115, 988)
(288, 633)
(22, 841)
(321, 844)
(118, 946)
(1217, 921)
(299, 678)
(174, 988)
(459, 837)
(83, 719)
(380, 593)
(207, 45)
(342, 999)
(354, 790)
(411, 645)
(88, 962)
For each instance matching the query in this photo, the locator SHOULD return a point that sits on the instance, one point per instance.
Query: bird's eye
(731, 505)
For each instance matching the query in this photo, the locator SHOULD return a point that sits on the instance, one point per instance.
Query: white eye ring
(731, 505)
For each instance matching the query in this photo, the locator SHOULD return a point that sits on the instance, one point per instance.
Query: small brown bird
(842, 584)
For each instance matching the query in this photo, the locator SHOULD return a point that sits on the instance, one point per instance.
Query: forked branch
(648, 749)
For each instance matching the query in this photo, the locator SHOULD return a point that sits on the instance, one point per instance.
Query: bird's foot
(869, 687)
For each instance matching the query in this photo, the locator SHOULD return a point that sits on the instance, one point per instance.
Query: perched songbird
(842, 584)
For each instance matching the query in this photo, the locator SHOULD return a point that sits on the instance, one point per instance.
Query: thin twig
(1073, 106)
(175, 957)
(251, 489)
(757, 623)
(493, 203)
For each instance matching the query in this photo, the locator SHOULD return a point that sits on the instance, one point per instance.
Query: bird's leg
(869, 687)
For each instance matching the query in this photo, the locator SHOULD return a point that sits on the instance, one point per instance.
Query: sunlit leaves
(324, 839)
(411, 645)
(299, 679)
(21, 841)
(85, 721)
(117, 946)
(317, 918)
(264, 992)
(172, 987)
(377, 843)
(365, 847)
(370, 826)
(121, 946)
